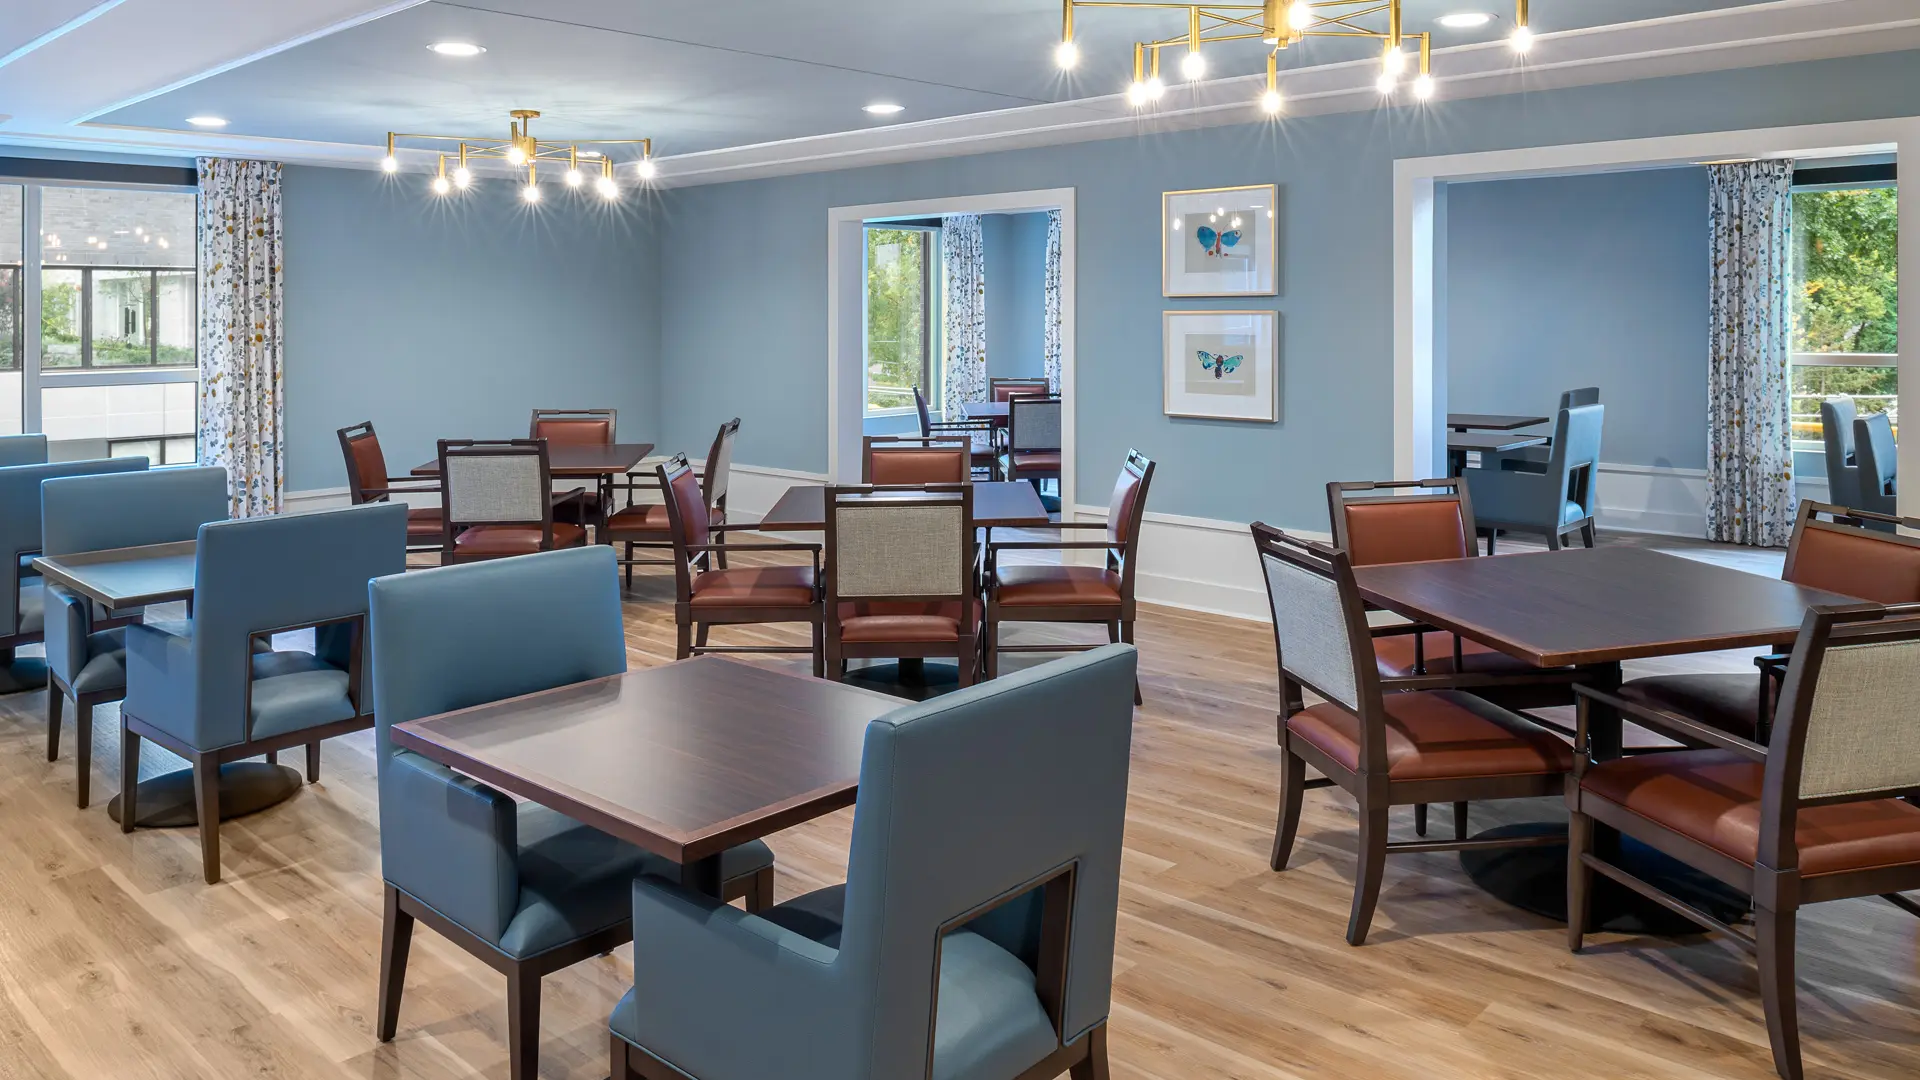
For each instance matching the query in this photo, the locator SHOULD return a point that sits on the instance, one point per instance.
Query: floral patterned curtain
(1749, 378)
(1055, 341)
(964, 253)
(242, 358)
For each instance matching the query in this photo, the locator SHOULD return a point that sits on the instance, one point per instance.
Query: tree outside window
(1846, 303)
(899, 338)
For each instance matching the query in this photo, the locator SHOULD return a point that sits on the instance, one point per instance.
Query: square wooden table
(986, 410)
(1473, 421)
(996, 504)
(1461, 443)
(685, 760)
(576, 461)
(125, 578)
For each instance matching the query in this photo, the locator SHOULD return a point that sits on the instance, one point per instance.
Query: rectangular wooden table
(996, 505)
(572, 461)
(125, 578)
(1473, 421)
(685, 760)
(986, 410)
(1461, 443)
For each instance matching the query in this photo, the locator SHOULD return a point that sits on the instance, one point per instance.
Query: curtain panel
(964, 306)
(1750, 497)
(1055, 340)
(242, 338)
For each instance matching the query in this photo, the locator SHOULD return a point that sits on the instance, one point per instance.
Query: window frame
(1840, 178)
(932, 330)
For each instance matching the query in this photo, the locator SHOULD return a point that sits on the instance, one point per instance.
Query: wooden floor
(116, 961)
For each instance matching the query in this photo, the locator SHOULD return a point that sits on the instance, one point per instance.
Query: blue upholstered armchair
(87, 656)
(974, 937)
(22, 604)
(1843, 468)
(198, 687)
(1556, 502)
(23, 450)
(523, 888)
(1879, 473)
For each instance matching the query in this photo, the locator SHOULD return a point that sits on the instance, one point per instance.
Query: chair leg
(82, 752)
(1420, 819)
(1094, 1065)
(819, 651)
(1126, 635)
(989, 655)
(396, 935)
(1553, 540)
(129, 774)
(1579, 879)
(1367, 875)
(1459, 821)
(271, 757)
(617, 1058)
(1774, 930)
(523, 1025)
(55, 700)
(967, 660)
(206, 806)
(1293, 788)
(629, 566)
(720, 551)
(1588, 533)
(313, 762)
(700, 635)
(760, 895)
(683, 641)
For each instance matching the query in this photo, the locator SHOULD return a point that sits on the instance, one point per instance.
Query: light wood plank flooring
(116, 961)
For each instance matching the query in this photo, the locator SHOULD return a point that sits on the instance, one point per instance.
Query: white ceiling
(694, 76)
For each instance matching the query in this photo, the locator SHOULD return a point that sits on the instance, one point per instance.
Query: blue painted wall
(1016, 249)
(747, 261)
(1573, 281)
(453, 319)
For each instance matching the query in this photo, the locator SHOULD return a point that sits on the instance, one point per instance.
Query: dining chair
(1537, 458)
(645, 525)
(1558, 502)
(1833, 548)
(23, 450)
(708, 594)
(1003, 390)
(197, 686)
(577, 427)
(1032, 447)
(499, 500)
(517, 885)
(1426, 744)
(22, 594)
(367, 481)
(905, 460)
(1070, 592)
(1878, 477)
(900, 576)
(87, 649)
(1836, 433)
(978, 434)
(1816, 813)
(974, 936)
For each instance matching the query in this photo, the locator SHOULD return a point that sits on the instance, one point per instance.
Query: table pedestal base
(912, 679)
(1535, 879)
(246, 787)
(21, 673)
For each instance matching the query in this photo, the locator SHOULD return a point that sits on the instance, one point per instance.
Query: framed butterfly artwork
(1220, 242)
(1223, 365)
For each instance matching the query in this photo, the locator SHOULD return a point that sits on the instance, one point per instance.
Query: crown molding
(1756, 35)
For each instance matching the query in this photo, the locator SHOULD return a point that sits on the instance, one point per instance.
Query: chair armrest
(160, 677)
(69, 619)
(1399, 629)
(392, 480)
(450, 841)
(1051, 545)
(1774, 665)
(1666, 723)
(707, 965)
(736, 548)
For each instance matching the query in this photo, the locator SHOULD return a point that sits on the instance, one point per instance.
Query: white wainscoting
(1668, 501)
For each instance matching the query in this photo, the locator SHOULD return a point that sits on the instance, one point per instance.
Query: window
(1846, 303)
(12, 300)
(902, 341)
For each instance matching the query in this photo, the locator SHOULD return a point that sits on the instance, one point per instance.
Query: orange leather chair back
(1405, 530)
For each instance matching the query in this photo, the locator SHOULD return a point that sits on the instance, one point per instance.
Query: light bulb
(1394, 61)
(389, 164)
(1423, 87)
(1193, 65)
(607, 188)
(441, 185)
(531, 193)
(1300, 15)
(1386, 82)
(1066, 55)
(1271, 102)
(516, 156)
(647, 169)
(575, 178)
(1155, 88)
(462, 176)
(1522, 39)
(1136, 94)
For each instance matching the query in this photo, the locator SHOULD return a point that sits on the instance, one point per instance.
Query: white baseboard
(1668, 501)
(1200, 564)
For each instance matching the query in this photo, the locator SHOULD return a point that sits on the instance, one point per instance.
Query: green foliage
(60, 313)
(896, 315)
(1847, 271)
(9, 306)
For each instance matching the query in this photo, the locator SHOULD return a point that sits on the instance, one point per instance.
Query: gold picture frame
(1221, 365)
(1241, 257)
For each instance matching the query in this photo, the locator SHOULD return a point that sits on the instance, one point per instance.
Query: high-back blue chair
(22, 603)
(23, 450)
(1879, 458)
(86, 653)
(1558, 502)
(198, 688)
(974, 937)
(1836, 432)
(523, 888)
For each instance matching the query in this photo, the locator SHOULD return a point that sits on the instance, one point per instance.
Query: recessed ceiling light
(1465, 20)
(457, 48)
(207, 121)
(885, 108)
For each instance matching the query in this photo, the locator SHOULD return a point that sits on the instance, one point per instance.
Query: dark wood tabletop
(1473, 421)
(996, 505)
(576, 460)
(986, 410)
(125, 577)
(1594, 606)
(684, 760)
(1498, 442)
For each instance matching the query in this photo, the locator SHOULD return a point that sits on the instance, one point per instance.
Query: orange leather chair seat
(895, 623)
(424, 523)
(1394, 655)
(1712, 797)
(514, 539)
(1729, 701)
(650, 520)
(1439, 735)
(761, 586)
(1055, 586)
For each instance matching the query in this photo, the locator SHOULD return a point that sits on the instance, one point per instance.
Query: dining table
(684, 760)
(125, 582)
(997, 504)
(1594, 609)
(1462, 443)
(986, 410)
(1473, 421)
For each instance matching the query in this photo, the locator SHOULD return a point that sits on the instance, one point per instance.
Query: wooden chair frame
(716, 507)
(965, 647)
(455, 448)
(885, 444)
(611, 416)
(973, 432)
(360, 490)
(1370, 785)
(1011, 470)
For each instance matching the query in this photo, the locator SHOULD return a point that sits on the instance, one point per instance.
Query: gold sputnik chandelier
(521, 150)
(1279, 23)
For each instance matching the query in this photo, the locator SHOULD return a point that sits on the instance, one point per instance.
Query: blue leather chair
(23, 450)
(1537, 458)
(22, 603)
(1843, 468)
(1879, 457)
(974, 937)
(198, 687)
(523, 888)
(87, 652)
(1557, 502)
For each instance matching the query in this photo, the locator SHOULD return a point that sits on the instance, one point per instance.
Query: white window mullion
(30, 259)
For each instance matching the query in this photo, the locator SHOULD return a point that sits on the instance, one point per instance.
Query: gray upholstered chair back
(1859, 734)
(1311, 622)
(1033, 423)
(972, 799)
(505, 487)
(1585, 395)
(1576, 454)
(891, 547)
(1836, 431)
(720, 464)
(23, 450)
(1878, 456)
